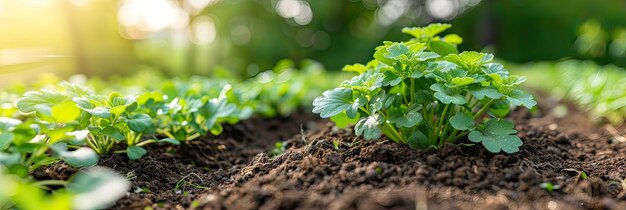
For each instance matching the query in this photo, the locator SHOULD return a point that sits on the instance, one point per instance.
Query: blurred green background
(186, 37)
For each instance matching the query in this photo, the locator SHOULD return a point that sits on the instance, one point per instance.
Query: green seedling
(549, 186)
(279, 149)
(424, 93)
(336, 143)
(184, 113)
(108, 120)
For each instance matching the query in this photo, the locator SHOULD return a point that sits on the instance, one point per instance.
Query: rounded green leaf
(135, 152)
(442, 48)
(333, 102)
(427, 31)
(518, 97)
(169, 140)
(409, 119)
(140, 123)
(110, 132)
(342, 120)
(453, 39)
(368, 127)
(97, 188)
(118, 110)
(397, 51)
(423, 56)
(82, 157)
(488, 92)
(391, 78)
(39, 101)
(462, 121)
(65, 112)
(9, 159)
(101, 112)
(5, 140)
(500, 108)
(462, 81)
(498, 135)
(441, 93)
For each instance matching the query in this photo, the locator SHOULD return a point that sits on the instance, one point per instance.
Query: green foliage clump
(84, 190)
(598, 89)
(75, 124)
(424, 93)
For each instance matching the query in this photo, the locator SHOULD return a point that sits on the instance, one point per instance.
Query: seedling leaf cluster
(425, 93)
(75, 124)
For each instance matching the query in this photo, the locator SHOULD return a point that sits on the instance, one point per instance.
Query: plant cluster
(95, 188)
(424, 93)
(75, 124)
(24, 148)
(599, 89)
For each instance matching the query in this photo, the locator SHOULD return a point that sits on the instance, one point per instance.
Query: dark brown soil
(328, 168)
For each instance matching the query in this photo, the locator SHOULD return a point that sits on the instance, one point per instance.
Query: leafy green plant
(599, 89)
(424, 93)
(279, 149)
(95, 188)
(185, 114)
(24, 146)
(285, 89)
(108, 120)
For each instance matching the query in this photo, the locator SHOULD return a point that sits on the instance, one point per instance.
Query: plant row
(72, 123)
(599, 89)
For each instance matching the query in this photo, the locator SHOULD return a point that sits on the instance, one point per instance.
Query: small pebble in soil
(433, 160)
(553, 126)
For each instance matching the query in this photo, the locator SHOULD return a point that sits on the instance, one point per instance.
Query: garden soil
(323, 167)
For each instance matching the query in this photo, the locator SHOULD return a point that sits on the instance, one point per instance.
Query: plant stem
(442, 117)
(50, 182)
(191, 137)
(406, 100)
(36, 154)
(443, 135)
(412, 90)
(452, 136)
(393, 133)
(484, 109)
(146, 142)
(454, 139)
(169, 135)
(365, 110)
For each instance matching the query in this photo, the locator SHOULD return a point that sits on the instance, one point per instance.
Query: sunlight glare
(203, 31)
(299, 10)
(148, 15)
(442, 9)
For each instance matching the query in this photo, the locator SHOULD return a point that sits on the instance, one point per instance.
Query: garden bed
(327, 169)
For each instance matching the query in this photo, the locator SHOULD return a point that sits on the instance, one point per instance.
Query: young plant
(24, 147)
(424, 93)
(188, 116)
(94, 188)
(599, 89)
(108, 120)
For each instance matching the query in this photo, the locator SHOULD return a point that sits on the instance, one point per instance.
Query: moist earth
(324, 167)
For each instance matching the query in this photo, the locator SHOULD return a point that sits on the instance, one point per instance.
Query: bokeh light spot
(442, 9)
(299, 10)
(241, 35)
(203, 31)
